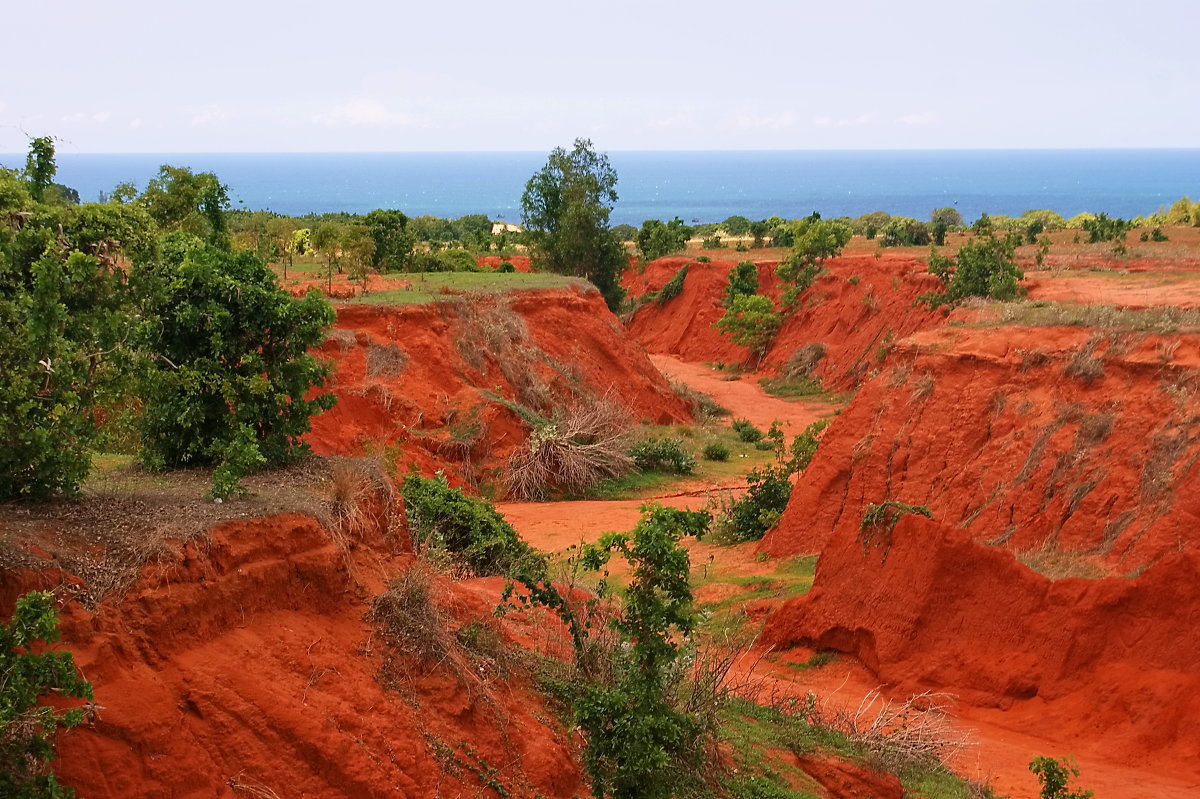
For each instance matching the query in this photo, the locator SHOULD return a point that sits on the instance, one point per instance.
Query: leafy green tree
(656, 239)
(28, 672)
(869, 224)
(231, 381)
(1102, 227)
(1054, 775)
(40, 167)
(565, 209)
(983, 226)
(357, 247)
(736, 225)
(984, 267)
(751, 321)
(640, 743)
(813, 241)
(1051, 220)
(326, 239)
(281, 237)
(625, 232)
(759, 231)
(394, 242)
(902, 231)
(743, 281)
(948, 216)
(193, 202)
(63, 310)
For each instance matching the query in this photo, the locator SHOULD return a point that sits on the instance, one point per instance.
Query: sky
(360, 76)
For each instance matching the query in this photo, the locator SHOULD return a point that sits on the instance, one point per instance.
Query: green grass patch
(642, 485)
(791, 388)
(434, 286)
(791, 578)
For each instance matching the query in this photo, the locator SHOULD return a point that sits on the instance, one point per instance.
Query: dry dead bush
(898, 735)
(385, 360)
(345, 338)
(804, 360)
(900, 376)
(358, 495)
(704, 407)
(1085, 364)
(923, 387)
(410, 621)
(573, 453)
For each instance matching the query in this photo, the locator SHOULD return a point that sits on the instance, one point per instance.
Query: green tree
(743, 281)
(1054, 775)
(984, 267)
(63, 310)
(40, 167)
(736, 225)
(357, 246)
(983, 226)
(870, 224)
(326, 239)
(281, 236)
(813, 241)
(565, 209)
(640, 744)
(193, 202)
(751, 321)
(28, 672)
(230, 381)
(1103, 227)
(948, 216)
(656, 239)
(394, 242)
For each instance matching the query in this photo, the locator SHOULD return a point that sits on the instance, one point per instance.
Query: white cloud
(768, 121)
(100, 117)
(363, 112)
(844, 122)
(78, 116)
(134, 124)
(210, 114)
(676, 121)
(926, 118)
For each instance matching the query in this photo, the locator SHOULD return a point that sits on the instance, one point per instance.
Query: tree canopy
(565, 209)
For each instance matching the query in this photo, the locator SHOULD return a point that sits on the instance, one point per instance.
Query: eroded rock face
(994, 429)
(926, 606)
(404, 372)
(244, 662)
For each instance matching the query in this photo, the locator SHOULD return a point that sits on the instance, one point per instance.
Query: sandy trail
(1005, 745)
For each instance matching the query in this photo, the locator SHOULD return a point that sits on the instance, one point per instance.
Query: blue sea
(696, 186)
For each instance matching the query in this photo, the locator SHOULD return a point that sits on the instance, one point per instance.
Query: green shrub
(746, 431)
(631, 697)
(764, 445)
(1102, 227)
(703, 259)
(712, 243)
(28, 672)
(984, 267)
(741, 247)
(231, 381)
(506, 267)
(470, 530)
(1054, 775)
(752, 322)
(750, 516)
(743, 282)
(662, 455)
(716, 451)
(674, 286)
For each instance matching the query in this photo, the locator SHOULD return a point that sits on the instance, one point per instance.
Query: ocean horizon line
(1085, 149)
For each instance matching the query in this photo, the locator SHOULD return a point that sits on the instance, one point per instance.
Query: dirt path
(1005, 745)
